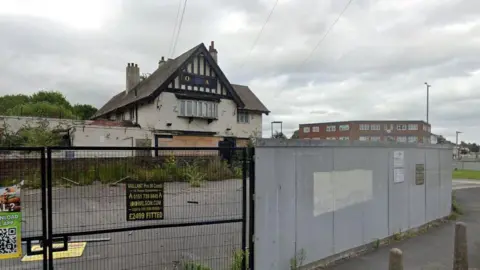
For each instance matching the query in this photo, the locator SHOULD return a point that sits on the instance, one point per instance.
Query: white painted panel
(335, 190)
(323, 193)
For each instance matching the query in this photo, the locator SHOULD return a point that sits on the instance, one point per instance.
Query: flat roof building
(412, 131)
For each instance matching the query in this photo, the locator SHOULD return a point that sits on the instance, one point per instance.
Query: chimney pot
(132, 76)
(213, 52)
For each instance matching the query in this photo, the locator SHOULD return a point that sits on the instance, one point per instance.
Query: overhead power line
(179, 28)
(261, 31)
(326, 34)
(175, 27)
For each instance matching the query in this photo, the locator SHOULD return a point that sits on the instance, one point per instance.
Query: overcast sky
(372, 65)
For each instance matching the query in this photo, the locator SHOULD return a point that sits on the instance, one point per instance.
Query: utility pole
(456, 143)
(428, 98)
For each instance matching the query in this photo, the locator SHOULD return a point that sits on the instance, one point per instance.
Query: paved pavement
(433, 250)
(465, 183)
(99, 207)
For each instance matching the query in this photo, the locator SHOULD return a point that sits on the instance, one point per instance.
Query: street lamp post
(428, 98)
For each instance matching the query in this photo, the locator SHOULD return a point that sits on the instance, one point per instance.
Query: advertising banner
(10, 222)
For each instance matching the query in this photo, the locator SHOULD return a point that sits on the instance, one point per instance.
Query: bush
(238, 257)
(195, 266)
(193, 175)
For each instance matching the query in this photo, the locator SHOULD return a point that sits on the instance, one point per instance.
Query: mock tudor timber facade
(188, 101)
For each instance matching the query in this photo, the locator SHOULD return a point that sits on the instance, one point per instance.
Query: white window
(412, 139)
(306, 129)
(343, 138)
(401, 139)
(412, 126)
(424, 128)
(388, 127)
(364, 127)
(374, 127)
(197, 108)
(242, 117)
(331, 138)
(344, 127)
(401, 127)
(389, 139)
(316, 129)
(363, 138)
(375, 138)
(331, 128)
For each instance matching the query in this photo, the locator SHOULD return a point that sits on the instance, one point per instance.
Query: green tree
(52, 97)
(295, 135)
(41, 109)
(279, 135)
(84, 111)
(9, 101)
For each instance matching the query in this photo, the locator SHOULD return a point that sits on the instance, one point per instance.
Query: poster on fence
(144, 201)
(10, 222)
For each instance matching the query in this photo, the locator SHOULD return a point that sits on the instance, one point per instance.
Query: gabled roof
(249, 99)
(152, 85)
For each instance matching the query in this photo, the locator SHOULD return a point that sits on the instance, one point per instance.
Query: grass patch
(466, 174)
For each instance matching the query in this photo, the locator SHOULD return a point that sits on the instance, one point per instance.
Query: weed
(376, 244)
(193, 175)
(238, 257)
(195, 266)
(398, 236)
(297, 260)
(456, 209)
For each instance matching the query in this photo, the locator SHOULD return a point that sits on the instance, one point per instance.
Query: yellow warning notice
(74, 250)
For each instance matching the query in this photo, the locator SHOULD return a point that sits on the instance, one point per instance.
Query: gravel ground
(99, 207)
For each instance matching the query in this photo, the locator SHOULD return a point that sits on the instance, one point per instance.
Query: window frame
(306, 129)
(378, 127)
(344, 127)
(402, 125)
(331, 128)
(412, 127)
(364, 127)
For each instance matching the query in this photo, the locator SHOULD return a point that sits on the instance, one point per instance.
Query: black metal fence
(131, 208)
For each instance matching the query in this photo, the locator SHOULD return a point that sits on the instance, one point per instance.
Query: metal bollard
(460, 255)
(396, 259)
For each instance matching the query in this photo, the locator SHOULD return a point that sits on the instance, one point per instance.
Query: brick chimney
(213, 51)
(161, 62)
(132, 76)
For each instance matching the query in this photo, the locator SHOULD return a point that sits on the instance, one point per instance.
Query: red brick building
(383, 130)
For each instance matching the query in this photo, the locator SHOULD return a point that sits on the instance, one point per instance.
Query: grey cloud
(372, 65)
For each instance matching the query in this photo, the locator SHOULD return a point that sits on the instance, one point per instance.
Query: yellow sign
(74, 250)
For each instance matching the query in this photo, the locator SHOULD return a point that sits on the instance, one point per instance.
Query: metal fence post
(49, 244)
(395, 260)
(251, 231)
(460, 259)
(244, 208)
(43, 177)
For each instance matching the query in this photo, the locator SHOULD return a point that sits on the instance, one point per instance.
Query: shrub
(218, 169)
(195, 266)
(193, 175)
(238, 257)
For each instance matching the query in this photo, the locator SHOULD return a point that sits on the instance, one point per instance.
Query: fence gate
(131, 208)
